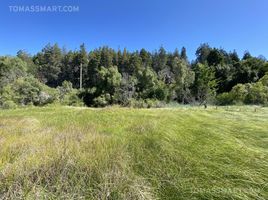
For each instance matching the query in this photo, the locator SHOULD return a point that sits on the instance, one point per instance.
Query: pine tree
(183, 54)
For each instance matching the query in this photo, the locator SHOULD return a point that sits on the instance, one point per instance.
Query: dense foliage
(105, 76)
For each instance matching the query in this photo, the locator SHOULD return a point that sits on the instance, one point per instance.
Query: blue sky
(134, 24)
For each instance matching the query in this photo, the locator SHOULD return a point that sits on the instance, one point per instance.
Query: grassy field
(119, 153)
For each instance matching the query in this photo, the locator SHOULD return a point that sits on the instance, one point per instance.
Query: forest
(105, 76)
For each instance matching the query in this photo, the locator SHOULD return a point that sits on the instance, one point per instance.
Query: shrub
(134, 103)
(68, 95)
(249, 93)
(11, 69)
(9, 105)
(264, 80)
(28, 91)
(257, 94)
(102, 100)
(66, 88)
(153, 103)
(146, 103)
(239, 93)
(224, 99)
(72, 99)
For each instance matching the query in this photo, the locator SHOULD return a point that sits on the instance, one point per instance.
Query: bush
(28, 91)
(9, 105)
(224, 99)
(11, 68)
(264, 80)
(257, 94)
(153, 103)
(72, 99)
(249, 93)
(68, 95)
(102, 100)
(239, 93)
(146, 103)
(137, 103)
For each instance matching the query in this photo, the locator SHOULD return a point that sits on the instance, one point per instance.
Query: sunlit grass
(122, 153)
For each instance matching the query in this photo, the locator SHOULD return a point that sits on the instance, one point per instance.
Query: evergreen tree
(49, 63)
(183, 54)
(160, 59)
(202, 53)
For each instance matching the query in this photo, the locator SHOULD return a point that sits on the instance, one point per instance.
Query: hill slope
(116, 153)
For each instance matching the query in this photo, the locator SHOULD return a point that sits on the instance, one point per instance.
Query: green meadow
(179, 153)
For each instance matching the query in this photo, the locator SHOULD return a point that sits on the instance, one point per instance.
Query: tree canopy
(111, 76)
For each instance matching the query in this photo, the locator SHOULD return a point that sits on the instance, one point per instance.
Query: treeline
(140, 79)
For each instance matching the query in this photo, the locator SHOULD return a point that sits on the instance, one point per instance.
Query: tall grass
(121, 153)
